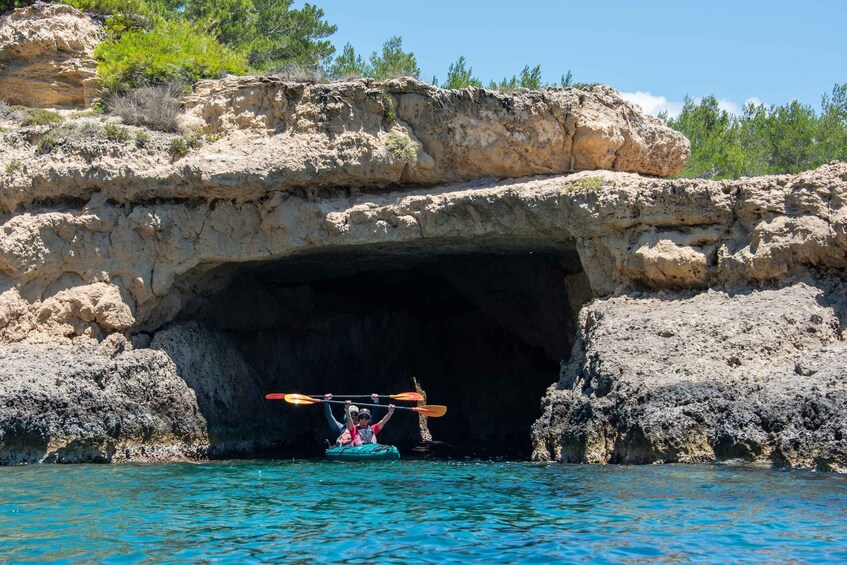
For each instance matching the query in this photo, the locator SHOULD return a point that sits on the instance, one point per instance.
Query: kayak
(366, 452)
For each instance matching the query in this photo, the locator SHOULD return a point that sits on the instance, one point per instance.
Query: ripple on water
(418, 512)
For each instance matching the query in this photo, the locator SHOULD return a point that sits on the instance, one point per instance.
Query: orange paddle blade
(411, 396)
(275, 396)
(301, 399)
(431, 410)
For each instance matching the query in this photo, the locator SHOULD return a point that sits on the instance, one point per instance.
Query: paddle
(407, 396)
(433, 410)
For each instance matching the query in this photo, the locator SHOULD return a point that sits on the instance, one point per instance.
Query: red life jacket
(365, 435)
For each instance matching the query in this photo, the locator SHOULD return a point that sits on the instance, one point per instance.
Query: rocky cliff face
(46, 57)
(743, 374)
(482, 245)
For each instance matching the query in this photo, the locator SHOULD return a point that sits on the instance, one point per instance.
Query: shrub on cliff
(174, 50)
(156, 106)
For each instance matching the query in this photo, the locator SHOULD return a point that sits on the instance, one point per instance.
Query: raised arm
(336, 426)
(350, 423)
(376, 411)
(382, 422)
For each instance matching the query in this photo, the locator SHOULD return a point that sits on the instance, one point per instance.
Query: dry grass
(156, 107)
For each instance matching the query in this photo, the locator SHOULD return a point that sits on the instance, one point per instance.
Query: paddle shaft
(352, 395)
(360, 404)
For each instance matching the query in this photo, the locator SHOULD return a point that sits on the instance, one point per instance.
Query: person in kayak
(362, 431)
(340, 430)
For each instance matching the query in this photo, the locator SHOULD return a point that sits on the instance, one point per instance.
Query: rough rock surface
(105, 267)
(189, 395)
(46, 56)
(717, 329)
(71, 403)
(663, 376)
(754, 375)
(270, 137)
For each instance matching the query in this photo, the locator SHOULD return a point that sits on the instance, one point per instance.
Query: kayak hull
(367, 452)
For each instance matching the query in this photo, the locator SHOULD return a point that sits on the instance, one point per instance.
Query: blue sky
(655, 52)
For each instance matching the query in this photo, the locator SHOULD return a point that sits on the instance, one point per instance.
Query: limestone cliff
(46, 56)
(482, 245)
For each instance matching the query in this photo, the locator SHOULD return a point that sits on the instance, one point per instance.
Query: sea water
(418, 512)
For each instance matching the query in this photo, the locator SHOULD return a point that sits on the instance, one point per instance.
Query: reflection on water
(418, 511)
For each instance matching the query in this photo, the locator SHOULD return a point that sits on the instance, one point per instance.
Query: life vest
(344, 438)
(364, 435)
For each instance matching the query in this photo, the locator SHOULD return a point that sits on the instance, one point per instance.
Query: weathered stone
(751, 375)
(46, 56)
(274, 137)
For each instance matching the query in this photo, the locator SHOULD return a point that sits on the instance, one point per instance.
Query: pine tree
(393, 62)
(460, 77)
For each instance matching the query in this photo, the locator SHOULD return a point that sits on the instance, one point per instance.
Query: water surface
(418, 512)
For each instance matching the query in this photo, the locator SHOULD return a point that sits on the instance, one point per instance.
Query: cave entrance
(483, 334)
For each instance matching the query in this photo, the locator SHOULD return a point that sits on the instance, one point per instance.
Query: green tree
(269, 33)
(393, 62)
(531, 78)
(567, 80)
(833, 124)
(460, 77)
(174, 50)
(348, 65)
(528, 78)
(715, 143)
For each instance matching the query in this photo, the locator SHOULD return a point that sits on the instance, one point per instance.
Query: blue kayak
(366, 452)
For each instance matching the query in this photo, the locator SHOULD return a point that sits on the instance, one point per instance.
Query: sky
(654, 52)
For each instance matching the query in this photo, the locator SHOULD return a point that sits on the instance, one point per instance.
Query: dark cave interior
(482, 333)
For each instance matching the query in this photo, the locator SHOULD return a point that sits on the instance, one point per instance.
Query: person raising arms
(340, 430)
(362, 432)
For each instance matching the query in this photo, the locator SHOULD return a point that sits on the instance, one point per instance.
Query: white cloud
(728, 106)
(653, 104)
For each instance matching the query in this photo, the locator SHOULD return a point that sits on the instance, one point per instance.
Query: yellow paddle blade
(301, 399)
(431, 410)
(410, 396)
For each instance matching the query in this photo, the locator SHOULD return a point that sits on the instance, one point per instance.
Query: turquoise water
(418, 512)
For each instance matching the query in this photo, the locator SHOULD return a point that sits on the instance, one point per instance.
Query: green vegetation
(402, 147)
(763, 140)
(175, 50)
(460, 77)
(12, 4)
(69, 134)
(38, 117)
(529, 78)
(12, 166)
(270, 34)
(116, 133)
(142, 138)
(392, 62)
(156, 47)
(587, 183)
(180, 145)
(348, 65)
(388, 104)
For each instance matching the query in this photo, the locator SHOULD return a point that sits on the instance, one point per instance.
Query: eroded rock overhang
(142, 276)
(105, 267)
